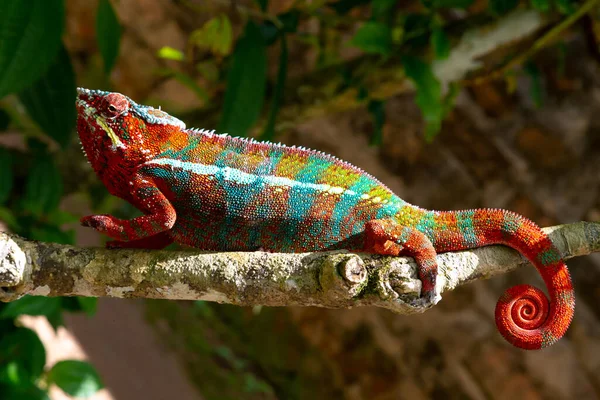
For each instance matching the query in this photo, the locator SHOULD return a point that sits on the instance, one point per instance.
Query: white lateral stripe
(236, 175)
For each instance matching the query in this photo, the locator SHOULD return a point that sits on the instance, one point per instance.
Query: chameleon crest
(223, 193)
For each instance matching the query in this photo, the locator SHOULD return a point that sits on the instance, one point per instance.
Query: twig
(328, 279)
(539, 44)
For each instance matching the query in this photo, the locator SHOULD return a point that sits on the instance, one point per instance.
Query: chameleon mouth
(85, 103)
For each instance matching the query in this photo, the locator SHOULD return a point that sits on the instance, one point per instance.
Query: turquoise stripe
(426, 225)
(464, 221)
(548, 257)
(313, 170)
(510, 224)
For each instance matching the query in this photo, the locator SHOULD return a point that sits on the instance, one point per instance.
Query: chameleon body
(218, 192)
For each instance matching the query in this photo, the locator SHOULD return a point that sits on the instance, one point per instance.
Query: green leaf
(108, 34)
(30, 392)
(373, 37)
(381, 8)
(8, 217)
(452, 3)
(429, 93)
(246, 80)
(269, 132)
(290, 20)
(13, 374)
(541, 5)
(440, 43)
(500, 7)
(6, 174)
(216, 35)
(31, 305)
(30, 34)
(536, 91)
(377, 110)
(263, 4)
(49, 101)
(44, 186)
(56, 319)
(88, 304)
(23, 346)
(76, 378)
(566, 6)
(4, 120)
(169, 53)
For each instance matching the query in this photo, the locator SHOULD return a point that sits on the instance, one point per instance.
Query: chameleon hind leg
(387, 237)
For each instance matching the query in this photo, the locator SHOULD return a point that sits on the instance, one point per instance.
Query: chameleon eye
(116, 104)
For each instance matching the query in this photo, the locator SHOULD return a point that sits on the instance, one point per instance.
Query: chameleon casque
(218, 192)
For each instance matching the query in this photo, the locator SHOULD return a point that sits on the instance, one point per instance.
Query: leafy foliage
(246, 79)
(29, 40)
(56, 87)
(373, 37)
(108, 34)
(76, 378)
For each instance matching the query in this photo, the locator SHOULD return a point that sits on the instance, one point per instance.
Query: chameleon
(223, 193)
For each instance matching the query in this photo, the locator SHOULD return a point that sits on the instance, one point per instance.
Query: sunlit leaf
(30, 34)
(246, 80)
(76, 378)
(216, 35)
(373, 37)
(49, 101)
(108, 34)
(169, 53)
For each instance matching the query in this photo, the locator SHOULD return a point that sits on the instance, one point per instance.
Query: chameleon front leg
(387, 237)
(160, 215)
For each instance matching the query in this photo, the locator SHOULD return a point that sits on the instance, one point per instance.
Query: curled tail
(524, 316)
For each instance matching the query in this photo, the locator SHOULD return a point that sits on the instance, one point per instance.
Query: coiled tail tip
(527, 320)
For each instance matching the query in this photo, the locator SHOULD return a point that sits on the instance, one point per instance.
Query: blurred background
(452, 103)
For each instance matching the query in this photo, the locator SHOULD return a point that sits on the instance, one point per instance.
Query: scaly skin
(217, 192)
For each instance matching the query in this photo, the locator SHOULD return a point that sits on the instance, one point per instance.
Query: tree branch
(328, 279)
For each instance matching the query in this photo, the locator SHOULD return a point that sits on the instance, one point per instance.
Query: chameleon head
(114, 130)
